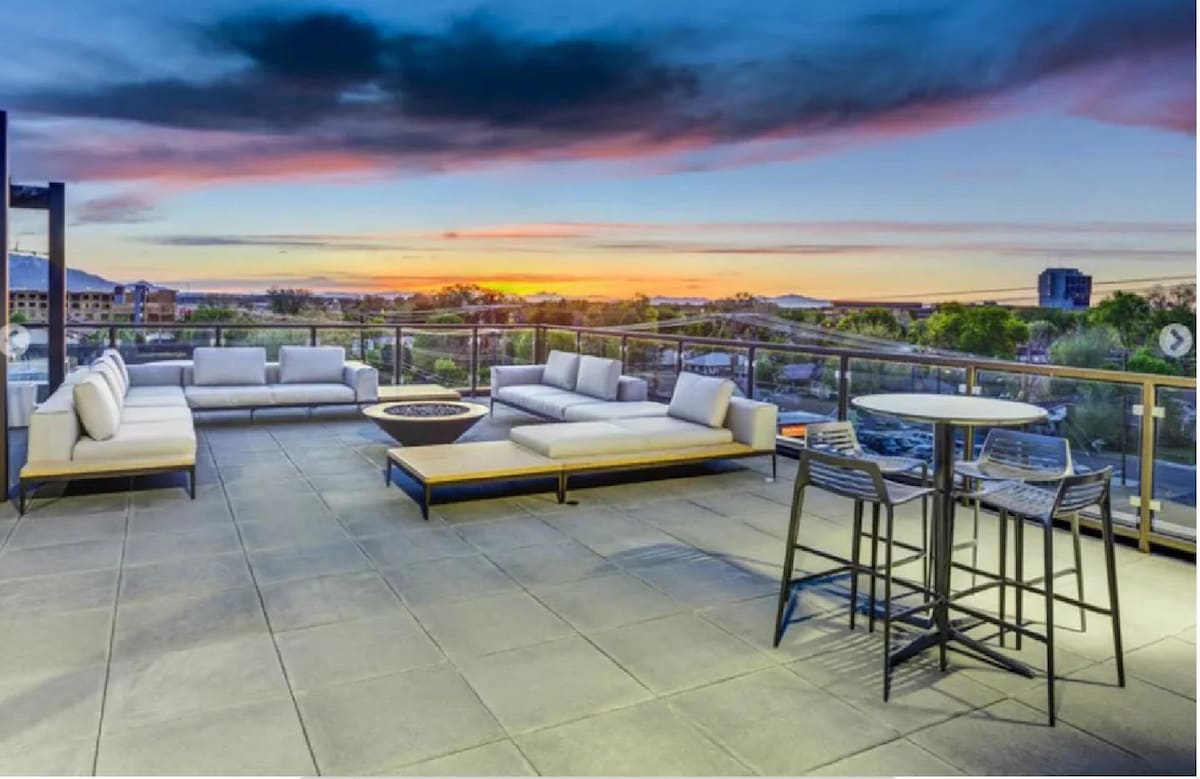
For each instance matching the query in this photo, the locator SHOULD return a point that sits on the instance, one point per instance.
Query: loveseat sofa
(568, 382)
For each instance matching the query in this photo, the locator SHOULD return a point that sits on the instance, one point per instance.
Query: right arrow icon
(1175, 340)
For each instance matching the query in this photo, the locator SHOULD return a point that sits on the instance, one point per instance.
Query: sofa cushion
(223, 366)
(139, 414)
(577, 439)
(138, 443)
(232, 396)
(598, 412)
(156, 396)
(701, 399)
(671, 433)
(562, 370)
(311, 364)
(96, 407)
(302, 394)
(111, 374)
(598, 377)
(544, 401)
(118, 361)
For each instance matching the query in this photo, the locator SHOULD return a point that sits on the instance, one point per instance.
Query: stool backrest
(849, 477)
(833, 436)
(1082, 490)
(1018, 451)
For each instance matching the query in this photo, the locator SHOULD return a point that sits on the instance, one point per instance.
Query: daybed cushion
(546, 401)
(233, 396)
(224, 366)
(112, 375)
(139, 442)
(302, 394)
(156, 396)
(311, 364)
(701, 399)
(594, 412)
(671, 433)
(562, 370)
(138, 414)
(598, 377)
(576, 439)
(96, 407)
(118, 361)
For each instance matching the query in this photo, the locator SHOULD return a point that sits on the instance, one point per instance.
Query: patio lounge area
(299, 616)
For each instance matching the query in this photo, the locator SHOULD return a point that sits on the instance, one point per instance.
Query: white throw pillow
(106, 369)
(96, 407)
(311, 364)
(118, 361)
(701, 399)
(562, 370)
(598, 377)
(218, 366)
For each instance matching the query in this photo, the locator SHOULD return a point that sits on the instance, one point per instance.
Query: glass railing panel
(377, 347)
(503, 347)
(601, 345)
(84, 344)
(890, 435)
(803, 386)
(143, 345)
(1096, 417)
(270, 338)
(436, 357)
(725, 362)
(654, 361)
(1175, 464)
(562, 340)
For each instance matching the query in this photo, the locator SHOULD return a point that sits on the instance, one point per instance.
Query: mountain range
(28, 271)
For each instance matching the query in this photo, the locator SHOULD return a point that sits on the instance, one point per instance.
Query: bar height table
(946, 413)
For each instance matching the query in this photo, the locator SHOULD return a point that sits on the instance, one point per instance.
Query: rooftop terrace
(299, 617)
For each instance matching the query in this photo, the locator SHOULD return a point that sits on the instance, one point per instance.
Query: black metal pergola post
(52, 200)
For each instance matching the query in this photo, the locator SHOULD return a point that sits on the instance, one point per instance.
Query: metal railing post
(539, 344)
(624, 351)
(312, 336)
(398, 357)
(112, 337)
(969, 436)
(218, 335)
(1146, 478)
(751, 355)
(843, 388)
(474, 360)
(579, 342)
(362, 344)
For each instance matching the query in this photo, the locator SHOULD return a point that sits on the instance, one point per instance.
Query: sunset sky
(846, 148)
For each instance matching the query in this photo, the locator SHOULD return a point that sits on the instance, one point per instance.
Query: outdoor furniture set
(1028, 477)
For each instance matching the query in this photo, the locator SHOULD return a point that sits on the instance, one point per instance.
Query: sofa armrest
(53, 429)
(155, 374)
(753, 423)
(516, 375)
(363, 379)
(631, 389)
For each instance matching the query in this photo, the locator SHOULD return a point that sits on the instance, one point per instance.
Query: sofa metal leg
(562, 488)
(426, 499)
(387, 472)
(192, 482)
(21, 497)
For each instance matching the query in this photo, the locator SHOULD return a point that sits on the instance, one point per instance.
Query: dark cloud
(114, 209)
(315, 83)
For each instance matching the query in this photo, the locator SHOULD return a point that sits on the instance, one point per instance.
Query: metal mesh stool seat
(861, 481)
(1044, 505)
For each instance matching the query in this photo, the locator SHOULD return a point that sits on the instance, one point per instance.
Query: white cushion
(96, 407)
(156, 396)
(545, 401)
(593, 412)
(598, 377)
(137, 414)
(233, 396)
(119, 361)
(701, 399)
(138, 443)
(111, 374)
(671, 433)
(215, 366)
(300, 394)
(311, 364)
(577, 439)
(562, 369)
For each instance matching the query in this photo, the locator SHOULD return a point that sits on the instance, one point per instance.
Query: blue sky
(835, 149)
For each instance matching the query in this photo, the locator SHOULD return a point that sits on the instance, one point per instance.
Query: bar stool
(1010, 455)
(863, 482)
(1038, 504)
(839, 437)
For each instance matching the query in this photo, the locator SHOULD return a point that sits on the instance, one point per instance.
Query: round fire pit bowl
(425, 422)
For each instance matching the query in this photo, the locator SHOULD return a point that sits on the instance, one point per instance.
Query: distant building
(34, 305)
(142, 302)
(1065, 288)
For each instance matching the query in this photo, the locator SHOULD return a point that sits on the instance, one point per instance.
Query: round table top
(951, 409)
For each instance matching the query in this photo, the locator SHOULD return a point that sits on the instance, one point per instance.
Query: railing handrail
(908, 358)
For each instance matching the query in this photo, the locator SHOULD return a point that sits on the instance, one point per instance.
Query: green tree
(877, 322)
(289, 302)
(17, 318)
(990, 331)
(1126, 313)
(1091, 347)
(1145, 361)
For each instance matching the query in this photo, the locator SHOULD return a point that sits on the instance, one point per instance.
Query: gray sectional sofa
(570, 387)
(111, 419)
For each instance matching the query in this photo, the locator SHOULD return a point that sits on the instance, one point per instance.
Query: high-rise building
(1065, 288)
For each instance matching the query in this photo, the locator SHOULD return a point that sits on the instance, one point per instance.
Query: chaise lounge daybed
(703, 422)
